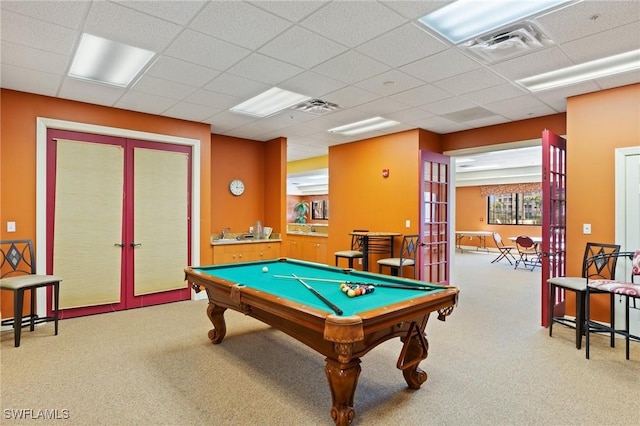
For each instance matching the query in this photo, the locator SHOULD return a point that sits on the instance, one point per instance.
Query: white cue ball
(265, 269)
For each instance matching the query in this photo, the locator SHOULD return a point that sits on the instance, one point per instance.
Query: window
(523, 208)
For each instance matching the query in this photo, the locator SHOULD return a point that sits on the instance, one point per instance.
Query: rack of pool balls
(354, 290)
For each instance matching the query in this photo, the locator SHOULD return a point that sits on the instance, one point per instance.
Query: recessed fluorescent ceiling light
(363, 126)
(107, 61)
(599, 68)
(269, 102)
(465, 19)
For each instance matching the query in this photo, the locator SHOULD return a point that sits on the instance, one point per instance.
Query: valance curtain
(511, 188)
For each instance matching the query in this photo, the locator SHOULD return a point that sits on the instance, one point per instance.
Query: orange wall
(235, 158)
(18, 154)
(597, 123)
(360, 198)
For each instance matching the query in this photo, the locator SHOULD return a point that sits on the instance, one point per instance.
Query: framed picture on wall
(317, 210)
(325, 209)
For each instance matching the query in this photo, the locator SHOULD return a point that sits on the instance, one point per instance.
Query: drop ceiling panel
(37, 34)
(302, 47)
(440, 66)
(179, 71)
(179, 12)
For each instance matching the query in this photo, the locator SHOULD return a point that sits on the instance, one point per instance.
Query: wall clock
(236, 187)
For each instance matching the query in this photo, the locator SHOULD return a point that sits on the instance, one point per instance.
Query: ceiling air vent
(316, 107)
(507, 43)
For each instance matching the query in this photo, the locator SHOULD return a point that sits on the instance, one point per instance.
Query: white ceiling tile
(600, 45)
(470, 81)
(619, 80)
(302, 47)
(87, 91)
(353, 22)
(415, 44)
(213, 99)
(421, 95)
(239, 23)
(576, 21)
(409, 115)
(311, 84)
(350, 96)
(521, 103)
(34, 59)
(23, 30)
(68, 14)
(227, 120)
(447, 106)
(169, 89)
(207, 51)
(495, 93)
(26, 80)
(534, 63)
(144, 102)
(179, 12)
(351, 67)
(191, 112)
(293, 11)
(264, 69)
(440, 66)
(128, 26)
(382, 107)
(180, 71)
(234, 85)
(390, 83)
(413, 9)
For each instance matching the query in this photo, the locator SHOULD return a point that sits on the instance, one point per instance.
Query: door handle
(134, 244)
(119, 244)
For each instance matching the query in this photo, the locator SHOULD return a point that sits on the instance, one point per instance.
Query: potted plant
(301, 209)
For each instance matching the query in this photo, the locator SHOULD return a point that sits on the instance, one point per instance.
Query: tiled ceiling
(368, 57)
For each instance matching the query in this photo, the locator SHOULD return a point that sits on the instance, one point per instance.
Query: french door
(118, 221)
(554, 220)
(435, 217)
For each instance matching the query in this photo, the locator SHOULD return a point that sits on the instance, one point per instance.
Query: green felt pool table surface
(250, 274)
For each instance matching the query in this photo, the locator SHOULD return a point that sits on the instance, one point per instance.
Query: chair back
(525, 242)
(600, 261)
(409, 249)
(635, 265)
(498, 240)
(16, 258)
(357, 241)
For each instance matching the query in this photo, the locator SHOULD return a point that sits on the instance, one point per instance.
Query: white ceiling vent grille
(507, 43)
(316, 107)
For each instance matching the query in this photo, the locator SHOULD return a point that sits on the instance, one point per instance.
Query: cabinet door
(294, 250)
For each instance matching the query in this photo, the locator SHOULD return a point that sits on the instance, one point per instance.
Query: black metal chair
(578, 285)
(18, 274)
(356, 249)
(622, 288)
(505, 251)
(528, 251)
(408, 257)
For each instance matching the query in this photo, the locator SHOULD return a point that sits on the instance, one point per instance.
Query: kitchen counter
(220, 242)
(308, 234)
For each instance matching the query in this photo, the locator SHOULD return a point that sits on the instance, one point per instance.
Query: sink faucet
(224, 233)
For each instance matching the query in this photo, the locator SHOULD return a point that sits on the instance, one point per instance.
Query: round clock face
(236, 187)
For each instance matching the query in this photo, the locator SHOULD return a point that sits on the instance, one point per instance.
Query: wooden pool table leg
(216, 316)
(343, 379)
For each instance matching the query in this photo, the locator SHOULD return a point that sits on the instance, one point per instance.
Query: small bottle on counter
(258, 231)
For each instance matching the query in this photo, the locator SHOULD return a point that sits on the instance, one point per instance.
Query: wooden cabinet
(245, 252)
(309, 248)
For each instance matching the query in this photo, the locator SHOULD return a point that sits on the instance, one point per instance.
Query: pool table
(271, 292)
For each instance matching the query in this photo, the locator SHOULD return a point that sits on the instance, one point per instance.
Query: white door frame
(43, 124)
(622, 234)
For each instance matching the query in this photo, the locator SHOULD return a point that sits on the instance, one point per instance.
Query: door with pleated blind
(117, 221)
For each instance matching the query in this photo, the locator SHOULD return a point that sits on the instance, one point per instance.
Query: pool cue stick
(326, 301)
(398, 286)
